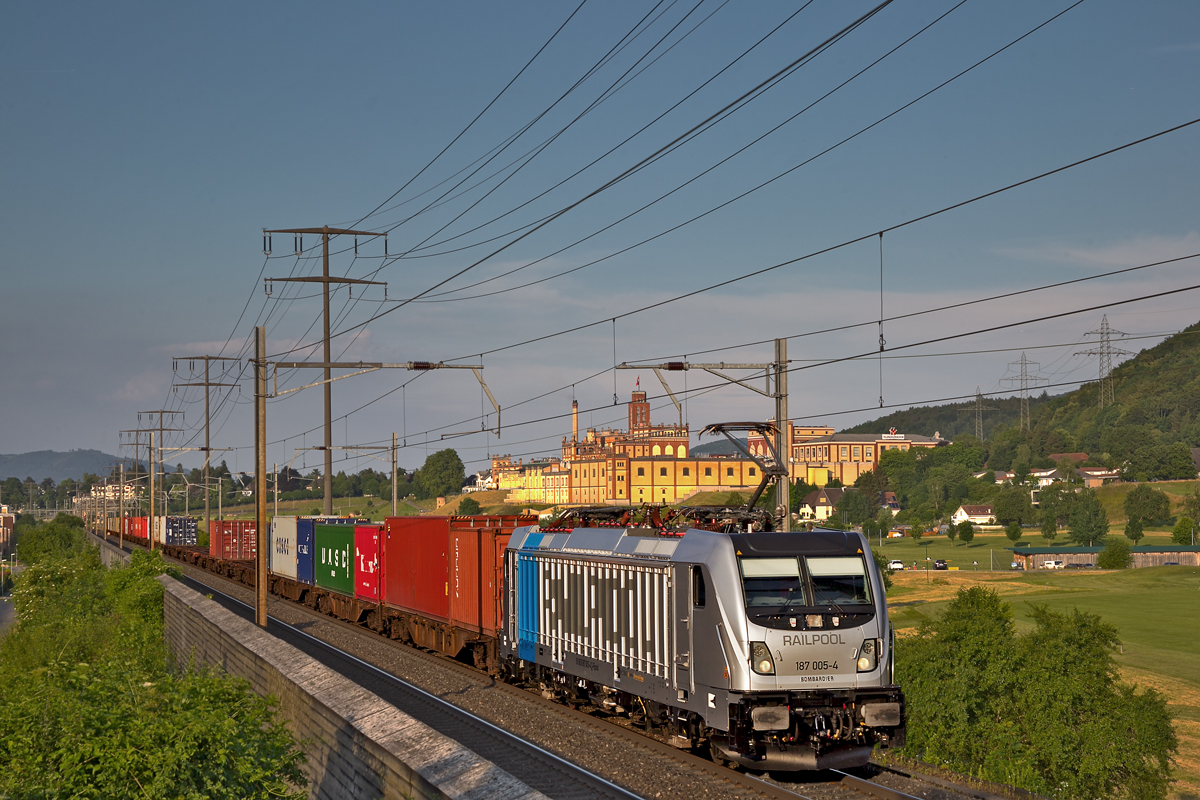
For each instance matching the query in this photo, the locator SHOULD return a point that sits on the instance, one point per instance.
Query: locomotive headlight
(868, 655)
(760, 659)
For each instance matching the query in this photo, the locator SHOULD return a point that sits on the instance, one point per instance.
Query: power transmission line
(1023, 382)
(1106, 352)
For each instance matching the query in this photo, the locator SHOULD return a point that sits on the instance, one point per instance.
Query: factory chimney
(574, 420)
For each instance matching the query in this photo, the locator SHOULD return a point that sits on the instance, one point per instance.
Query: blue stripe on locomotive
(527, 599)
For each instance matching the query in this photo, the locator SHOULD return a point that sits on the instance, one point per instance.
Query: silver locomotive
(773, 649)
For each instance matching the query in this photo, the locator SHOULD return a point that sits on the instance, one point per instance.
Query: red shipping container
(235, 539)
(135, 526)
(366, 561)
(448, 568)
(415, 577)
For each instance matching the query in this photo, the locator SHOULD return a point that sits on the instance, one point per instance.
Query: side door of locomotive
(682, 633)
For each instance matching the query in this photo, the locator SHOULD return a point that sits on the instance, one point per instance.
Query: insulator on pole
(421, 365)
(385, 245)
(675, 366)
(355, 245)
(385, 293)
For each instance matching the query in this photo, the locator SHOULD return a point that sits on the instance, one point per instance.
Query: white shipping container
(160, 530)
(283, 547)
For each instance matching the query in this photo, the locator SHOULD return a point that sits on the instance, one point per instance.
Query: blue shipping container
(304, 549)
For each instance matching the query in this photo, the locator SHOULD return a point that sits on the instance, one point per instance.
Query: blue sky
(147, 145)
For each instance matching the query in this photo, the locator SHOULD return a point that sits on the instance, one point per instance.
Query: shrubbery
(1044, 711)
(90, 708)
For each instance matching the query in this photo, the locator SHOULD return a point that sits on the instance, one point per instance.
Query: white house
(976, 515)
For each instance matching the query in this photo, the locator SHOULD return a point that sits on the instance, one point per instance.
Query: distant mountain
(721, 447)
(44, 464)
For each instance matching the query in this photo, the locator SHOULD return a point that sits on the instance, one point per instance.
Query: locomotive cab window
(772, 582)
(838, 580)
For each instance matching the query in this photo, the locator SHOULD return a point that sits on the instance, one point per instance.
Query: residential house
(819, 504)
(976, 515)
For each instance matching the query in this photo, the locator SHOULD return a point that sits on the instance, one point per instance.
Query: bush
(89, 707)
(468, 506)
(1087, 735)
(1115, 555)
(1013, 532)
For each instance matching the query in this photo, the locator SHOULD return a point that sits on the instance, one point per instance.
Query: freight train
(771, 649)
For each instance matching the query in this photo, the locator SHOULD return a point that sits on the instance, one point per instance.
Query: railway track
(563, 777)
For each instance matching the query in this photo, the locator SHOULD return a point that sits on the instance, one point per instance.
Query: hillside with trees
(1147, 433)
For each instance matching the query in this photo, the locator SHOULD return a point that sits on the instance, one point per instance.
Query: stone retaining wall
(357, 745)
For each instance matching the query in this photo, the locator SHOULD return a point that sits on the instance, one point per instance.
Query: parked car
(1053, 564)
(940, 564)
(1170, 563)
(895, 563)
(1016, 565)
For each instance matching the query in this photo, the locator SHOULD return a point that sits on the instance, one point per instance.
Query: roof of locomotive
(651, 544)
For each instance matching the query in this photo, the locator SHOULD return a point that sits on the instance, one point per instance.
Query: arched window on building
(682, 451)
(670, 450)
(656, 451)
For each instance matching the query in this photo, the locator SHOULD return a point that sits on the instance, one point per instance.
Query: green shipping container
(333, 559)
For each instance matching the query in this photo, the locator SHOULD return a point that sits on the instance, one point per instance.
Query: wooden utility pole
(324, 280)
(206, 383)
(260, 475)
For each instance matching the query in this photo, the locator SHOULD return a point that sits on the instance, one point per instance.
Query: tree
(951, 533)
(1013, 505)
(440, 475)
(468, 506)
(916, 529)
(1115, 555)
(1013, 532)
(966, 531)
(735, 499)
(1191, 504)
(854, 507)
(1184, 531)
(1089, 522)
(1133, 529)
(1049, 525)
(886, 519)
(1148, 503)
(1089, 734)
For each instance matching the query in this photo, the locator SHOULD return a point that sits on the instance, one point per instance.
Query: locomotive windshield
(838, 580)
(772, 582)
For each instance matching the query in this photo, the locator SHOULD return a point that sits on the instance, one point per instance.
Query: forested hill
(1157, 408)
(952, 420)
(43, 464)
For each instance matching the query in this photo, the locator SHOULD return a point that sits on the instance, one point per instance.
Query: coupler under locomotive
(811, 730)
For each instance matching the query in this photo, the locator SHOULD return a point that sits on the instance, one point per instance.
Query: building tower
(639, 412)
